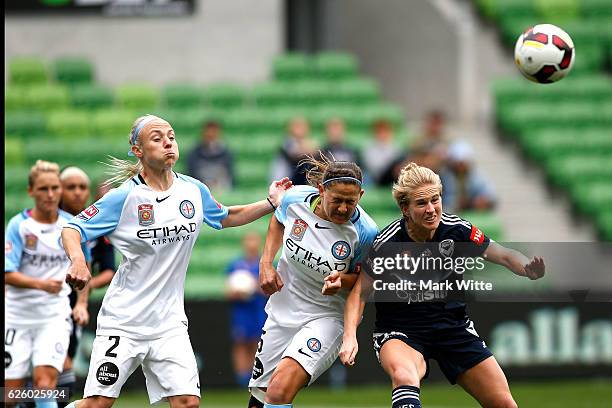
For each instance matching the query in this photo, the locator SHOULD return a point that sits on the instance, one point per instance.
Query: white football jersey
(312, 249)
(155, 232)
(35, 249)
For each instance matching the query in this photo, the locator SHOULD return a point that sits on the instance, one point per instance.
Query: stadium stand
(563, 127)
(71, 118)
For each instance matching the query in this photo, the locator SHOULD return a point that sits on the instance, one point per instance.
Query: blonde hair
(42, 166)
(411, 177)
(120, 169)
(73, 171)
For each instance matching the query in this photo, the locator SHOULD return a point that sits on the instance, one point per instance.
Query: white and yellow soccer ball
(544, 53)
(242, 283)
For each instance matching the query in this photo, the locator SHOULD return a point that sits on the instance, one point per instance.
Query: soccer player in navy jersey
(153, 218)
(324, 234)
(408, 334)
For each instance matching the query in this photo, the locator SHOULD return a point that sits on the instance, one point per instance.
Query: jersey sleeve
(476, 242)
(13, 245)
(293, 195)
(102, 217)
(367, 231)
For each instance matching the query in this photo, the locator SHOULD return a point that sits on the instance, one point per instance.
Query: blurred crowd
(381, 158)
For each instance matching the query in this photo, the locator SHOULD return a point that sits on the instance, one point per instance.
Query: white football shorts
(315, 346)
(44, 345)
(168, 364)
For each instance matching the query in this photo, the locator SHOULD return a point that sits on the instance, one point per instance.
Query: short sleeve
(293, 195)
(214, 212)
(367, 231)
(102, 217)
(476, 240)
(13, 245)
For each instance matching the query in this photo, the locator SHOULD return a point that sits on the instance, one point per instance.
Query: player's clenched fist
(269, 280)
(333, 284)
(78, 275)
(349, 350)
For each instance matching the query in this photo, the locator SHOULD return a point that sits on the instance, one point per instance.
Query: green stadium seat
(248, 121)
(362, 118)
(379, 200)
(16, 98)
(188, 123)
(550, 10)
(591, 198)
(504, 9)
(555, 142)
(73, 70)
(26, 124)
(16, 202)
(313, 93)
(292, 67)
(243, 148)
(595, 8)
(182, 96)
(252, 173)
(92, 97)
(138, 97)
(358, 91)
(487, 222)
(224, 95)
(604, 224)
(48, 97)
(113, 123)
(80, 152)
(70, 124)
(27, 71)
(13, 151)
(16, 179)
(335, 65)
(273, 94)
(575, 167)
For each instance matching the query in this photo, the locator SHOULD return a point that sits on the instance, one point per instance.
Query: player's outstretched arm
(78, 274)
(269, 280)
(21, 280)
(244, 214)
(353, 310)
(515, 261)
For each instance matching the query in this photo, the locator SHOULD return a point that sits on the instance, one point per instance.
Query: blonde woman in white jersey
(37, 309)
(153, 218)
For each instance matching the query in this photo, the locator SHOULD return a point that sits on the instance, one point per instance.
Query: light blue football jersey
(155, 233)
(312, 249)
(35, 249)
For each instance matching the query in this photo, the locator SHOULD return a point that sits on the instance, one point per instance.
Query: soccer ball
(544, 53)
(242, 283)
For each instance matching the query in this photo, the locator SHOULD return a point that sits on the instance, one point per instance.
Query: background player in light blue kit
(37, 309)
(153, 218)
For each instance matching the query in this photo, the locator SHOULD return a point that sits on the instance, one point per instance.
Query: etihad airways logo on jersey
(311, 260)
(168, 235)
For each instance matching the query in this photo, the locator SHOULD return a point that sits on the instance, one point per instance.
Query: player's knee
(186, 401)
(45, 381)
(503, 401)
(279, 392)
(402, 375)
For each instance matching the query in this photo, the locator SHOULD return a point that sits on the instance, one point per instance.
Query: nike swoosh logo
(160, 200)
(320, 226)
(301, 352)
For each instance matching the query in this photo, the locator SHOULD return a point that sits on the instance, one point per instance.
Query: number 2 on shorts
(109, 352)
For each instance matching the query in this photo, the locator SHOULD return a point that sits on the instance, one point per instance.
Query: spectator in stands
(248, 303)
(211, 162)
(434, 133)
(296, 147)
(472, 190)
(336, 148)
(380, 151)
